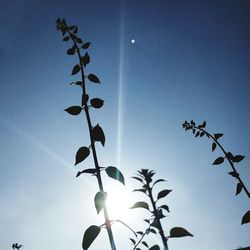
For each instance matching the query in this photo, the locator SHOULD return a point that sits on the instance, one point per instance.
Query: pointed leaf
(100, 199)
(71, 51)
(145, 243)
(78, 40)
(234, 174)
(133, 241)
(87, 171)
(86, 45)
(238, 158)
(66, 38)
(218, 161)
(155, 247)
(137, 178)
(176, 232)
(140, 204)
(76, 69)
(85, 59)
(89, 236)
(163, 193)
(93, 78)
(246, 218)
(157, 181)
(238, 189)
(214, 146)
(139, 232)
(82, 154)
(74, 110)
(98, 134)
(165, 207)
(75, 30)
(229, 155)
(96, 103)
(140, 190)
(115, 173)
(217, 136)
(152, 231)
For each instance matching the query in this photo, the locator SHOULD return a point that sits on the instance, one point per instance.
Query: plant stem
(97, 167)
(137, 244)
(164, 239)
(228, 159)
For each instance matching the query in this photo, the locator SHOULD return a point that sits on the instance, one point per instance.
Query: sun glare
(118, 203)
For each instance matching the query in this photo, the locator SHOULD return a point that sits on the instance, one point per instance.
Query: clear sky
(190, 60)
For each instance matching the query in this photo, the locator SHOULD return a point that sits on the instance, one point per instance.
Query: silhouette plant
(144, 176)
(96, 133)
(199, 131)
(16, 246)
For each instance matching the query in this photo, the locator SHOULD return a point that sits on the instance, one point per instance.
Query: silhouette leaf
(217, 136)
(218, 161)
(238, 189)
(139, 232)
(229, 155)
(71, 51)
(82, 154)
(78, 40)
(98, 134)
(140, 190)
(140, 204)
(115, 173)
(96, 103)
(133, 241)
(86, 45)
(75, 30)
(246, 218)
(152, 231)
(159, 180)
(177, 232)
(74, 110)
(66, 38)
(238, 158)
(93, 78)
(234, 174)
(87, 171)
(165, 207)
(145, 243)
(76, 69)
(85, 59)
(100, 199)
(137, 178)
(214, 146)
(89, 236)
(155, 247)
(163, 193)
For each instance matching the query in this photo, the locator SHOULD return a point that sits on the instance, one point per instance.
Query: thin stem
(164, 240)
(138, 243)
(97, 167)
(228, 159)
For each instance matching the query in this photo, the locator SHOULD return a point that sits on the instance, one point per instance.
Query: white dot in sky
(132, 40)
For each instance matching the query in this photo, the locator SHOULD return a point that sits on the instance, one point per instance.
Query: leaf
(96, 103)
(78, 40)
(155, 247)
(75, 30)
(163, 193)
(229, 155)
(218, 161)
(145, 244)
(140, 204)
(76, 69)
(137, 178)
(165, 207)
(140, 190)
(115, 173)
(133, 241)
(202, 133)
(139, 232)
(238, 158)
(152, 231)
(85, 99)
(177, 232)
(246, 218)
(74, 110)
(100, 199)
(71, 51)
(93, 78)
(157, 181)
(204, 124)
(89, 236)
(217, 136)
(234, 174)
(86, 45)
(214, 146)
(87, 171)
(66, 38)
(85, 59)
(98, 134)
(82, 154)
(238, 189)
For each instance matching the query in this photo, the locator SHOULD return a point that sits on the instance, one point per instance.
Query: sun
(118, 203)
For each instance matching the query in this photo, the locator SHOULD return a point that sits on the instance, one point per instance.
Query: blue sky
(190, 61)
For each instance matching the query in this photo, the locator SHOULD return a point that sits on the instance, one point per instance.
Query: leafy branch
(96, 133)
(144, 176)
(199, 131)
